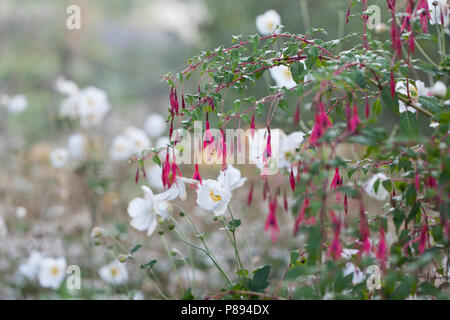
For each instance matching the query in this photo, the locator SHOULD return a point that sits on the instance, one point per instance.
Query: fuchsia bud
(336, 183)
(291, 178)
(252, 126)
(297, 116)
(367, 108)
(423, 239)
(285, 203)
(425, 15)
(382, 248)
(183, 103)
(271, 222)
(136, 177)
(223, 150)
(171, 128)
(354, 121)
(268, 146)
(322, 124)
(197, 175)
(392, 84)
(345, 204)
(335, 249)
(250, 194)
(301, 215)
(364, 231)
(209, 139)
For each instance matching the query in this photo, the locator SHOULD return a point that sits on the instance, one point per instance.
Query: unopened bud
(215, 218)
(181, 214)
(171, 226)
(122, 258)
(97, 232)
(160, 232)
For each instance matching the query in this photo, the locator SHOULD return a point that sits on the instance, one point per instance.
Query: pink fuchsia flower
(252, 126)
(301, 215)
(292, 179)
(423, 239)
(321, 125)
(336, 183)
(424, 11)
(382, 248)
(271, 222)
(197, 175)
(335, 250)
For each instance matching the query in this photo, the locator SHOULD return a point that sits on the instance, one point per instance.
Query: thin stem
(173, 263)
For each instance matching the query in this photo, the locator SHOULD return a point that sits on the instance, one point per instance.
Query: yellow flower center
(114, 272)
(270, 25)
(54, 270)
(287, 73)
(215, 197)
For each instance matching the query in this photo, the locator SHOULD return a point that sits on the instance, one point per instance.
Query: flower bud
(171, 226)
(97, 232)
(160, 232)
(439, 89)
(181, 214)
(122, 258)
(215, 218)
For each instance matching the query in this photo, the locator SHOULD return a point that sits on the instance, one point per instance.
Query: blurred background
(123, 48)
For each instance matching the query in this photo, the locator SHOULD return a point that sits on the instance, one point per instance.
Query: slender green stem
(233, 231)
(425, 54)
(173, 263)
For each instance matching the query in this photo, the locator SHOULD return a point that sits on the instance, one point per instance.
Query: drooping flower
(267, 23)
(231, 178)
(335, 249)
(52, 272)
(292, 179)
(439, 12)
(59, 157)
(321, 125)
(213, 196)
(301, 215)
(145, 211)
(252, 125)
(336, 183)
(297, 115)
(114, 273)
(250, 194)
(424, 11)
(30, 267)
(423, 239)
(382, 248)
(368, 186)
(271, 221)
(197, 175)
(155, 125)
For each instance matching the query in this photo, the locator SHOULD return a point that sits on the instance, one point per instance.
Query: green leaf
(259, 281)
(156, 160)
(408, 124)
(387, 99)
(187, 295)
(376, 108)
(135, 248)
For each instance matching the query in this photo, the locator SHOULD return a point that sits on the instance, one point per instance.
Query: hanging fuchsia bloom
(174, 105)
(354, 121)
(250, 194)
(423, 239)
(291, 178)
(431, 182)
(136, 177)
(183, 103)
(268, 145)
(335, 249)
(171, 128)
(301, 215)
(285, 203)
(252, 126)
(271, 222)
(424, 11)
(345, 204)
(209, 139)
(336, 183)
(166, 170)
(364, 231)
(297, 116)
(407, 25)
(197, 175)
(392, 84)
(417, 181)
(367, 108)
(382, 248)
(211, 103)
(322, 124)
(266, 188)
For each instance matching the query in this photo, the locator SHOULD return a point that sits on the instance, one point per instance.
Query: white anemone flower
(400, 87)
(438, 8)
(178, 189)
(93, 105)
(15, 104)
(69, 107)
(288, 145)
(59, 157)
(267, 22)
(144, 212)
(282, 76)
(154, 177)
(66, 87)
(30, 267)
(114, 273)
(51, 272)
(21, 212)
(138, 139)
(231, 178)
(121, 148)
(382, 193)
(213, 196)
(358, 275)
(155, 125)
(439, 89)
(76, 146)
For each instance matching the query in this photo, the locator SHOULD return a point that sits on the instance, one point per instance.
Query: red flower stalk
(336, 183)
(382, 248)
(367, 108)
(301, 215)
(252, 126)
(423, 239)
(271, 222)
(197, 175)
(291, 178)
(354, 121)
(297, 116)
(250, 194)
(425, 15)
(392, 83)
(347, 16)
(322, 124)
(335, 249)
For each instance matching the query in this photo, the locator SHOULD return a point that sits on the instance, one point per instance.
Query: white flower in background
(114, 273)
(382, 193)
(231, 178)
(439, 89)
(434, 124)
(178, 189)
(121, 148)
(15, 104)
(348, 253)
(441, 7)
(51, 272)
(76, 146)
(3, 228)
(145, 211)
(267, 22)
(358, 275)
(161, 145)
(93, 105)
(30, 267)
(138, 140)
(66, 87)
(21, 212)
(154, 177)
(415, 91)
(59, 157)
(282, 76)
(213, 196)
(288, 145)
(69, 107)
(155, 125)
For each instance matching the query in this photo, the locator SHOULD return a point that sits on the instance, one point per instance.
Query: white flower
(161, 144)
(267, 23)
(401, 88)
(16, 104)
(282, 76)
(213, 196)
(3, 228)
(348, 253)
(382, 193)
(434, 124)
(436, 10)
(59, 157)
(155, 125)
(145, 211)
(66, 87)
(21, 212)
(138, 139)
(114, 273)
(288, 145)
(93, 106)
(231, 178)
(439, 89)
(358, 275)
(121, 148)
(30, 267)
(51, 272)
(178, 189)
(69, 107)
(154, 177)
(76, 145)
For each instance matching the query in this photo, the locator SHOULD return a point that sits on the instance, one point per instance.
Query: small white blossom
(358, 275)
(282, 76)
(288, 145)
(382, 193)
(66, 87)
(59, 157)
(76, 146)
(154, 177)
(213, 196)
(30, 267)
(93, 106)
(155, 125)
(438, 8)
(231, 178)
(21, 212)
(52, 272)
(138, 139)
(439, 89)
(267, 22)
(15, 104)
(114, 273)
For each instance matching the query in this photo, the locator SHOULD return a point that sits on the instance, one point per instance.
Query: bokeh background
(123, 47)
